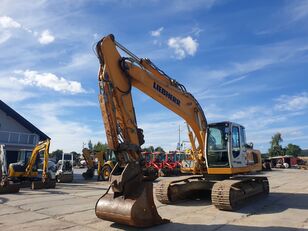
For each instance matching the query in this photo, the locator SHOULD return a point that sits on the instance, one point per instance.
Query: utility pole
(179, 142)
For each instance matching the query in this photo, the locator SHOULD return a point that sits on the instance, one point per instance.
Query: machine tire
(106, 170)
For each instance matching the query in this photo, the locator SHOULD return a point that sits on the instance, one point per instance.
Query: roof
(21, 120)
(279, 157)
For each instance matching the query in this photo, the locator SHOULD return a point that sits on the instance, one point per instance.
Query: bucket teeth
(137, 211)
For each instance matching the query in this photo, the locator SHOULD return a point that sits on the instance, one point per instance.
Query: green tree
(100, 147)
(159, 149)
(56, 154)
(151, 149)
(148, 149)
(293, 150)
(276, 149)
(90, 145)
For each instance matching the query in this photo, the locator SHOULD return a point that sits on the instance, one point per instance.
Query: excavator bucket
(43, 185)
(134, 210)
(89, 174)
(9, 188)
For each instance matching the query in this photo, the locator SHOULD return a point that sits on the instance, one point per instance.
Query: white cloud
(246, 113)
(46, 37)
(241, 68)
(225, 83)
(48, 80)
(292, 103)
(156, 33)
(12, 91)
(184, 5)
(4, 36)
(298, 10)
(8, 22)
(65, 133)
(183, 46)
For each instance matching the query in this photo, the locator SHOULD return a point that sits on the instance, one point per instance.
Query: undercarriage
(228, 194)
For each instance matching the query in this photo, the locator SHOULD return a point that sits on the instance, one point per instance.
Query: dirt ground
(71, 207)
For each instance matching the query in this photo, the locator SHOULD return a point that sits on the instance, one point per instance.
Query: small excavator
(25, 171)
(220, 154)
(105, 164)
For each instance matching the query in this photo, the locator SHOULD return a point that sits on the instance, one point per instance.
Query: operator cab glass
(67, 157)
(24, 156)
(217, 148)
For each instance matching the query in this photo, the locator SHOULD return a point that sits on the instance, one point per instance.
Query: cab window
(235, 141)
(243, 137)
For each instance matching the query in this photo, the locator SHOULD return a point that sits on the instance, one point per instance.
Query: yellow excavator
(219, 150)
(105, 164)
(26, 170)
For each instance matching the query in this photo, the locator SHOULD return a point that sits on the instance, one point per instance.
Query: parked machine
(105, 164)
(65, 173)
(220, 153)
(171, 165)
(6, 185)
(152, 165)
(26, 169)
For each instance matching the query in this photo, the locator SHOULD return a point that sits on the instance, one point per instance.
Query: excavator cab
(227, 150)
(18, 169)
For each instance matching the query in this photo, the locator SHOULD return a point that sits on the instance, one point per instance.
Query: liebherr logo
(166, 93)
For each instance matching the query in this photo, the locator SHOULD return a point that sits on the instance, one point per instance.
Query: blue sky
(245, 61)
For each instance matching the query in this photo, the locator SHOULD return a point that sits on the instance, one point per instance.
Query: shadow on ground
(3, 200)
(275, 202)
(224, 227)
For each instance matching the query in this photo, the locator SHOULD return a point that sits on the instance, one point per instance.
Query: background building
(17, 133)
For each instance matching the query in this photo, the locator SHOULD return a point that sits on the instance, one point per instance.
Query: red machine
(153, 164)
(171, 164)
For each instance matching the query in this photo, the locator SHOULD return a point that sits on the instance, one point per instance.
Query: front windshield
(24, 156)
(217, 139)
(217, 152)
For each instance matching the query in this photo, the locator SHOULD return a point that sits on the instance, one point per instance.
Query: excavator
(220, 152)
(26, 169)
(6, 185)
(105, 164)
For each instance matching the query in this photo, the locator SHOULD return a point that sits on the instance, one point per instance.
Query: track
(232, 193)
(227, 194)
(172, 191)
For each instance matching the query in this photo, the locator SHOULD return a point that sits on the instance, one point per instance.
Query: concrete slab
(71, 207)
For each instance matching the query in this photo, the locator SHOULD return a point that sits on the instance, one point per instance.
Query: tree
(100, 147)
(276, 149)
(90, 145)
(151, 149)
(276, 139)
(159, 149)
(148, 149)
(56, 154)
(293, 150)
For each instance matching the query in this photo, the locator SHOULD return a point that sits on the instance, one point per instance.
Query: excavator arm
(42, 146)
(117, 75)
(86, 153)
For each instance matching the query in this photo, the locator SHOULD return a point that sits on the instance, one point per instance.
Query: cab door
(237, 147)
